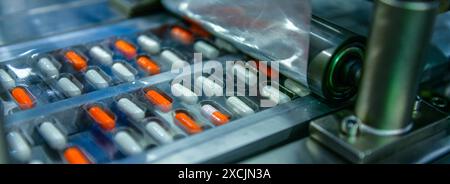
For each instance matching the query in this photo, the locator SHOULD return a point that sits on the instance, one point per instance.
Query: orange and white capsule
(214, 115)
(127, 49)
(197, 29)
(159, 100)
(182, 35)
(265, 69)
(22, 97)
(148, 65)
(187, 123)
(105, 120)
(74, 155)
(77, 61)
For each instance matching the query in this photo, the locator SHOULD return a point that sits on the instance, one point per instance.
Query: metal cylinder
(335, 56)
(400, 32)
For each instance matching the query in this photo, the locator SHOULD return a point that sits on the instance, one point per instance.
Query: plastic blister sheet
(94, 115)
(265, 29)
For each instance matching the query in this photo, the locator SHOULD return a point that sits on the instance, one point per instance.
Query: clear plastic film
(441, 36)
(265, 29)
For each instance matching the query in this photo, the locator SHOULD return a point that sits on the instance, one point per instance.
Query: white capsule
(130, 109)
(148, 44)
(19, 148)
(53, 136)
(274, 95)
(185, 94)
(224, 45)
(47, 67)
(173, 59)
(126, 143)
(245, 75)
(101, 55)
(239, 106)
(69, 88)
(209, 86)
(296, 88)
(122, 72)
(158, 132)
(96, 79)
(206, 49)
(6, 80)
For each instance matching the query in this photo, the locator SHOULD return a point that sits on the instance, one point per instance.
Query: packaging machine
(121, 81)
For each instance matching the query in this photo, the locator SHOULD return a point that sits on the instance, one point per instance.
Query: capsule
(101, 55)
(130, 109)
(52, 135)
(148, 44)
(148, 65)
(264, 69)
(173, 59)
(102, 118)
(74, 155)
(47, 67)
(206, 49)
(274, 95)
(188, 124)
(77, 61)
(126, 143)
(22, 97)
(224, 45)
(96, 79)
(19, 148)
(214, 115)
(159, 100)
(245, 75)
(185, 94)
(209, 86)
(125, 48)
(182, 35)
(296, 87)
(122, 72)
(158, 133)
(198, 30)
(239, 106)
(6, 80)
(69, 88)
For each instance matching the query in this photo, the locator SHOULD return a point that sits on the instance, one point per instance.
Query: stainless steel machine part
(335, 56)
(400, 33)
(385, 105)
(356, 15)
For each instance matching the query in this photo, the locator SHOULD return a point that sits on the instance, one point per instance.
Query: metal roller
(335, 59)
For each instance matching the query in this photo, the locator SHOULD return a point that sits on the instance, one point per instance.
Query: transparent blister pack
(111, 99)
(265, 29)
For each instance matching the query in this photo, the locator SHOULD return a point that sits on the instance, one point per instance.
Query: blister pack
(105, 100)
